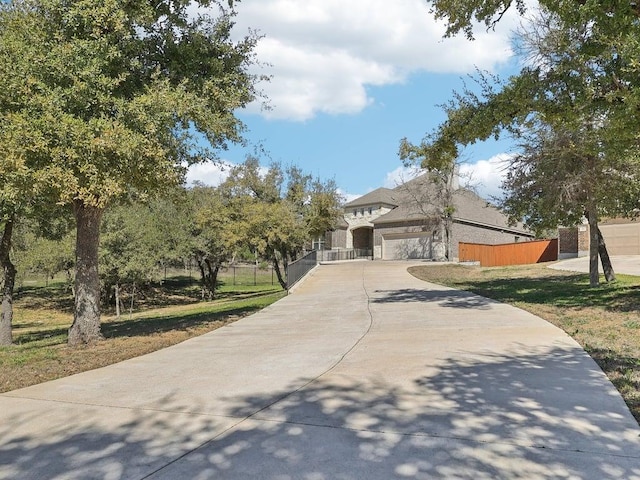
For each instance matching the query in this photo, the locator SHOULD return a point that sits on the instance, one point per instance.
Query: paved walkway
(362, 373)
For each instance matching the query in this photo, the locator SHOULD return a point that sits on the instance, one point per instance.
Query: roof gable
(378, 196)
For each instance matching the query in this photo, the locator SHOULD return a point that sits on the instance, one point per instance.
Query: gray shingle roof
(384, 196)
(469, 207)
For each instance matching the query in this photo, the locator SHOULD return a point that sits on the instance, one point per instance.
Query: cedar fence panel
(521, 253)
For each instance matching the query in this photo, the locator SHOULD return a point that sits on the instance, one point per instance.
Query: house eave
(496, 228)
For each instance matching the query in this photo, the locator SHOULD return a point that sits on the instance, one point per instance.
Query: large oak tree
(113, 93)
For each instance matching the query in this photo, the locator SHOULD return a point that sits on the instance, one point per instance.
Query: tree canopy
(280, 211)
(106, 97)
(573, 109)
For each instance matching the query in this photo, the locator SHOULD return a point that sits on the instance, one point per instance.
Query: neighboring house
(407, 222)
(621, 236)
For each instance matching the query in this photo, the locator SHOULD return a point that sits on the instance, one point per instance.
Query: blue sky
(350, 79)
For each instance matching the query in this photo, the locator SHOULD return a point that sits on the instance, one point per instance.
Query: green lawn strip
(605, 320)
(186, 316)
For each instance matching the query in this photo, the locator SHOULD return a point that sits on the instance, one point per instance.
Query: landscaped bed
(604, 320)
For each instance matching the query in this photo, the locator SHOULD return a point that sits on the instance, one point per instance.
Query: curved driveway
(364, 372)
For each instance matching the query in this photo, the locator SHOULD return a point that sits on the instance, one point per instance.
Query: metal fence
(247, 275)
(344, 254)
(234, 274)
(298, 269)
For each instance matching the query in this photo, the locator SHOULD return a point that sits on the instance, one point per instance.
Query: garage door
(406, 246)
(622, 239)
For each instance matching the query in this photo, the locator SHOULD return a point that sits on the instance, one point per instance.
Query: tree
(130, 249)
(113, 93)
(462, 16)
(568, 108)
(215, 237)
(432, 195)
(38, 253)
(560, 177)
(281, 211)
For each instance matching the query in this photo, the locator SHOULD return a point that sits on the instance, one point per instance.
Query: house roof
(413, 200)
(469, 207)
(472, 209)
(378, 196)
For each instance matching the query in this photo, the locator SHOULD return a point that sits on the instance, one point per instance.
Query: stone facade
(362, 217)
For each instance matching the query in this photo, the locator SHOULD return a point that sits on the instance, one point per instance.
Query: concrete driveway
(364, 372)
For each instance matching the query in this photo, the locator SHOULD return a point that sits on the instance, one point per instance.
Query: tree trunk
(276, 267)
(212, 278)
(607, 267)
(209, 280)
(116, 289)
(86, 319)
(203, 277)
(594, 275)
(6, 315)
(133, 297)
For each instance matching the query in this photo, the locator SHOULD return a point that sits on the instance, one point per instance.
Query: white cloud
(347, 197)
(208, 173)
(486, 176)
(400, 175)
(323, 54)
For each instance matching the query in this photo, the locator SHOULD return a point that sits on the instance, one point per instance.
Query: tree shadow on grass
(625, 374)
(53, 298)
(567, 291)
(475, 417)
(36, 336)
(152, 325)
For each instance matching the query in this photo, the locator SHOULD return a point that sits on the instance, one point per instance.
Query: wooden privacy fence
(520, 253)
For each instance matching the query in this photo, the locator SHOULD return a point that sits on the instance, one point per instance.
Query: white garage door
(622, 239)
(406, 246)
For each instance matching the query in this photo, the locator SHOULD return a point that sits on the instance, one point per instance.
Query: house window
(318, 243)
(517, 239)
(355, 212)
(362, 212)
(370, 210)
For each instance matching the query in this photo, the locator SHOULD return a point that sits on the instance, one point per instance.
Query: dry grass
(604, 320)
(163, 317)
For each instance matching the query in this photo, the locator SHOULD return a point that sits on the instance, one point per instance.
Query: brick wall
(568, 241)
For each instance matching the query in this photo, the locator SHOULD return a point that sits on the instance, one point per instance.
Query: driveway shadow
(543, 415)
(446, 298)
